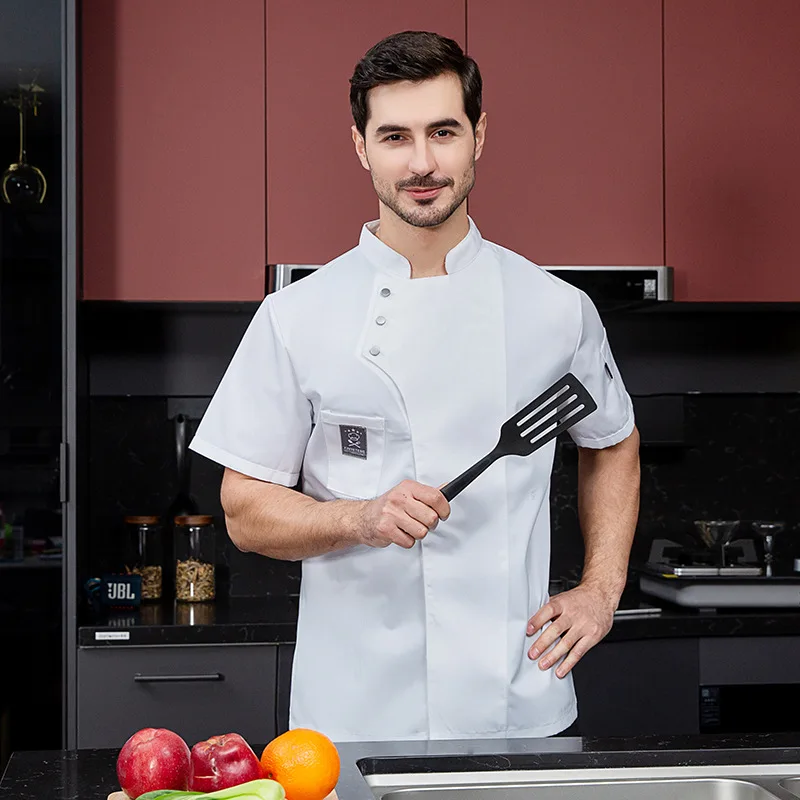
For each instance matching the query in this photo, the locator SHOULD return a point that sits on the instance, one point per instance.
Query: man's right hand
(402, 515)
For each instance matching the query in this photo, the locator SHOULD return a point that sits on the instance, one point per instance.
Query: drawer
(196, 691)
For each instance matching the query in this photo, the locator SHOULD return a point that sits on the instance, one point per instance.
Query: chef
(382, 376)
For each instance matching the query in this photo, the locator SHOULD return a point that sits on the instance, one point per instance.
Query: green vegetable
(262, 789)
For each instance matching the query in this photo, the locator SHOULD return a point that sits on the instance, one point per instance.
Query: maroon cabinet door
(572, 172)
(173, 149)
(732, 148)
(318, 195)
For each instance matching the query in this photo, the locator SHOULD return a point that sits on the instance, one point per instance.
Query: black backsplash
(132, 470)
(741, 461)
(737, 455)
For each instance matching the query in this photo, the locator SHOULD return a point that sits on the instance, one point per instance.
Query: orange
(304, 762)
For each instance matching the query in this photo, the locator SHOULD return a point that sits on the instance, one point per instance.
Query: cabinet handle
(211, 676)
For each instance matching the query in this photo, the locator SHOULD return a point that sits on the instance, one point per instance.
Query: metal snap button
(380, 320)
(374, 350)
(385, 292)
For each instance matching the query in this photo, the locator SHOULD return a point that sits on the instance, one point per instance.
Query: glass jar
(144, 553)
(195, 550)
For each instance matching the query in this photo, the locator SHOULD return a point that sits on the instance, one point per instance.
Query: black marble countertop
(268, 620)
(90, 774)
(273, 620)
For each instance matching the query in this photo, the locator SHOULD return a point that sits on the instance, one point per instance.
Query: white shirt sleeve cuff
(608, 441)
(242, 465)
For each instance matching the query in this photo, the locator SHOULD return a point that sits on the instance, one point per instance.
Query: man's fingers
(413, 527)
(403, 539)
(423, 514)
(541, 618)
(577, 652)
(432, 498)
(545, 640)
(559, 651)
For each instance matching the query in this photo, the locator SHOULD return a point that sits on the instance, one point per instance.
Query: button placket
(380, 320)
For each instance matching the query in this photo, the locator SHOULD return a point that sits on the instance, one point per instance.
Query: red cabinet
(732, 148)
(572, 171)
(173, 149)
(318, 195)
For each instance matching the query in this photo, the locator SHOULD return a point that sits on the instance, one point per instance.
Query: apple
(153, 758)
(221, 762)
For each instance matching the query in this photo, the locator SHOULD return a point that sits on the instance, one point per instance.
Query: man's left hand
(580, 617)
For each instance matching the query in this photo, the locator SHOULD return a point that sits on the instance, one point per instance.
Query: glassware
(767, 530)
(195, 556)
(716, 533)
(144, 553)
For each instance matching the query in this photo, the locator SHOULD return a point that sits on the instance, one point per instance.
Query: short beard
(424, 214)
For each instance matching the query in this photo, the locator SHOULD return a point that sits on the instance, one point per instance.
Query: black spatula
(562, 405)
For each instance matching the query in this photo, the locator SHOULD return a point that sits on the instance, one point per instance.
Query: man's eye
(446, 134)
(393, 137)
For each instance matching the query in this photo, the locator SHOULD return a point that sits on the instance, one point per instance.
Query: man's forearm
(281, 523)
(608, 507)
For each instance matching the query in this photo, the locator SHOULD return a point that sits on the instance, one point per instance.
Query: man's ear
(480, 135)
(361, 147)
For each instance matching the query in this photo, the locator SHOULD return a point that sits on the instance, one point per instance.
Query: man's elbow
(236, 534)
(232, 509)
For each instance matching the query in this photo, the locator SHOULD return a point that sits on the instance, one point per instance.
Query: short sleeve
(593, 365)
(258, 421)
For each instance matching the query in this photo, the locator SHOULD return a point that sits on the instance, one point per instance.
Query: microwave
(610, 288)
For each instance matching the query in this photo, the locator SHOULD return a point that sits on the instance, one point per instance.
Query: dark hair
(414, 56)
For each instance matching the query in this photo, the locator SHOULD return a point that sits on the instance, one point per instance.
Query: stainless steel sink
(792, 785)
(692, 789)
(736, 782)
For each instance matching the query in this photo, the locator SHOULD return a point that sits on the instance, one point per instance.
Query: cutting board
(123, 796)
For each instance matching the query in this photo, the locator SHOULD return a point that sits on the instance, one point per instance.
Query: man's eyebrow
(448, 122)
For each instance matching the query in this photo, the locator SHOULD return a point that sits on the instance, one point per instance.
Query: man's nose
(422, 160)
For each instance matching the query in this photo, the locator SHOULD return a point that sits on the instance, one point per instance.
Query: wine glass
(715, 533)
(767, 530)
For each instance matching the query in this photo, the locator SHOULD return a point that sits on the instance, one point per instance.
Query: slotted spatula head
(559, 407)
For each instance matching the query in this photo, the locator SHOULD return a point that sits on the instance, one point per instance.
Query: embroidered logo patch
(354, 440)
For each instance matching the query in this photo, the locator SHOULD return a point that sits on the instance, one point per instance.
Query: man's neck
(425, 248)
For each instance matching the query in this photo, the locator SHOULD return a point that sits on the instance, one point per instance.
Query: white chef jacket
(358, 377)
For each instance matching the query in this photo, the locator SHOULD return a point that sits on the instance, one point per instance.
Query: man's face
(420, 148)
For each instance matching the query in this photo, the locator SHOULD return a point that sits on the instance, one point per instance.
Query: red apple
(153, 758)
(221, 762)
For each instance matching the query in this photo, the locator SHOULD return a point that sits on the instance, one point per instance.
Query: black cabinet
(639, 688)
(284, 686)
(196, 691)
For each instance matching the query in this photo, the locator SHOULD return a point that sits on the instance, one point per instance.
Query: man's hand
(402, 515)
(581, 617)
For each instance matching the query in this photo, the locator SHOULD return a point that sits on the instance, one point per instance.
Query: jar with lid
(144, 553)
(195, 549)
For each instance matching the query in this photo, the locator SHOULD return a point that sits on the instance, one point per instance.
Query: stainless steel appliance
(610, 288)
(698, 577)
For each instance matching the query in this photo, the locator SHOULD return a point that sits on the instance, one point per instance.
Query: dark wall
(716, 393)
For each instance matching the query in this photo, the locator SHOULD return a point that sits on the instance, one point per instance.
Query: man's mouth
(424, 194)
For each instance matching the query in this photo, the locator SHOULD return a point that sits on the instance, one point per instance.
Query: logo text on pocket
(354, 440)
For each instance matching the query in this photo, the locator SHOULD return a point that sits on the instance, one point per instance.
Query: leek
(262, 789)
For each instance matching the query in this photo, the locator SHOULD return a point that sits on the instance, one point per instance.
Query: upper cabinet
(173, 149)
(318, 194)
(572, 171)
(732, 148)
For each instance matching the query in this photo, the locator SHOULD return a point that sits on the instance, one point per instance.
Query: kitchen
(659, 134)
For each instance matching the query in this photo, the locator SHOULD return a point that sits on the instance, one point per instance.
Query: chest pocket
(355, 446)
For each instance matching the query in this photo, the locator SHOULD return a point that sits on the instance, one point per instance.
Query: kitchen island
(90, 774)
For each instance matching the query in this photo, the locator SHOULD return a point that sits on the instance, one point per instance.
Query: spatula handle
(457, 485)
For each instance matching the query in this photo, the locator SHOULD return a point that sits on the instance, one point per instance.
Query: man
(384, 375)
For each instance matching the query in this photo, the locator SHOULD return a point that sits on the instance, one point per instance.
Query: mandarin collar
(382, 256)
